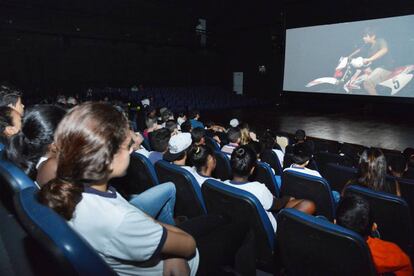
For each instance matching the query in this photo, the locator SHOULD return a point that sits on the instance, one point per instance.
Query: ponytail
(62, 196)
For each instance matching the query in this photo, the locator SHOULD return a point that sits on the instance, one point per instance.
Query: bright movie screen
(371, 57)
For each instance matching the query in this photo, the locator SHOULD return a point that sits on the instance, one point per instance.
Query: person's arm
(178, 242)
(377, 55)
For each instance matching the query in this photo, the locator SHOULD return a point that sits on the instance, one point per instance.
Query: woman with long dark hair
(93, 145)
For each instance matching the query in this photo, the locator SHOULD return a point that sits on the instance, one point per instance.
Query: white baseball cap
(234, 122)
(177, 145)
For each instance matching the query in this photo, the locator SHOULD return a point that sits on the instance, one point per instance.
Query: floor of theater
(379, 130)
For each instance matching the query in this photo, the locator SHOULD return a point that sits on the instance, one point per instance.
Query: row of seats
(391, 213)
(182, 98)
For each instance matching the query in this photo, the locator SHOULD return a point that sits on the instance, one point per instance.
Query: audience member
(151, 124)
(12, 98)
(269, 143)
(186, 127)
(10, 123)
(194, 116)
(93, 145)
(372, 172)
(32, 146)
(172, 126)
(203, 161)
(177, 149)
(243, 162)
(198, 136)
(354, 213)
(234, 136)
(159, 144)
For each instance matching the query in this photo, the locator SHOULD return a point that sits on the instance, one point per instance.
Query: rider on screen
(378, 58)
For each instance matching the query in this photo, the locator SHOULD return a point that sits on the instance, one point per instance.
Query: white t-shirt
(200, 178)
(261, 192)
(124, 236)
(303, 170)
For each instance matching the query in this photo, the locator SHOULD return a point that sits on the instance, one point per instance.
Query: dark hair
(268, 139)
(197, 134)
(87, 139)
(32, 142)
(9, 96)
(354, 213)
(166, 115)
(193, 113)
(6, 118)
(234, 134)
(198, 156)
(372, 170)
(257, 147)
(301, 153)
(186, 126)
(171, 125)
(243, 159)
(159, 139)
(150, 122)
(398, 163)
(300, 135)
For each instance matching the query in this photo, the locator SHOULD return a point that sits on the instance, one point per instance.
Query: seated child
(353, 213)
(243, 161)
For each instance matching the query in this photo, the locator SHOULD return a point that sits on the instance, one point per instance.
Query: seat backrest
(241, 206)
(73, 254)
(270, 157)
(140, 177)
(211, 143)
(263, 173)
(223, 168)
(391, 214)
(407, 193)
(305, 186)
(12, 180)
(338, 175)
(20, 254)
(313, 246)
(189, 200)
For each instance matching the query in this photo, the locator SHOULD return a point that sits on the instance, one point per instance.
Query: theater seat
(12, 180)
(270, 157)
(140, 177)
(307, 245)
(338, 175)
(211, 143)
(263, 173)
(189, 200)
(242, 206)
(73, 254)
(223, 168)
(304, 186)
(392, 215)
(407, 193)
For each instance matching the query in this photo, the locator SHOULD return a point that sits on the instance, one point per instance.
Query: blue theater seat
(223, 168)
(270, 157)
(189, 200)
(242, 206)
(338, 175)
(316, 189)
(140, 177)
(307, 245)
(72, 253)
(12, 180)
(392, 215)
(263, 173)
